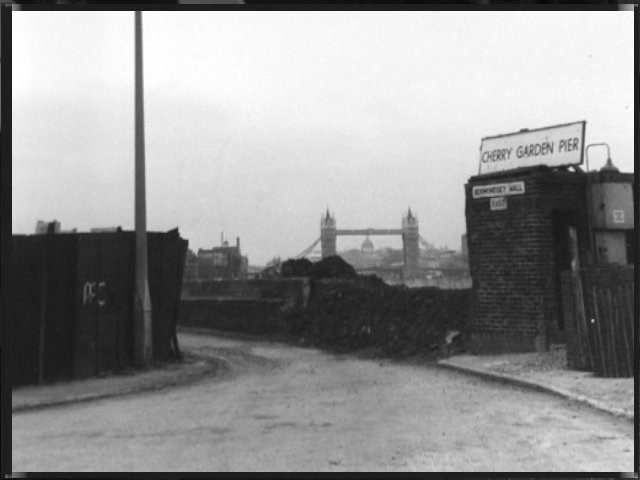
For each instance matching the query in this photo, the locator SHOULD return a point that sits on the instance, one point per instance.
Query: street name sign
(555, 146)
(498, 189)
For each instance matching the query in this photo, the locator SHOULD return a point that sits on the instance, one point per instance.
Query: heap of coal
(296, 268)
(329, 267)
(347, 312)
(332, 267)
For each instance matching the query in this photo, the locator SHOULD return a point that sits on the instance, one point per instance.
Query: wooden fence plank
(621, 347)
(617, 319)
(580, 316)
(591, 333)
(611, 321)
(604, 323)
(609, 332)
(601, 364)
(627, 320)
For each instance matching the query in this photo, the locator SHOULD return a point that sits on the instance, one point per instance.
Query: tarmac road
(283, 408)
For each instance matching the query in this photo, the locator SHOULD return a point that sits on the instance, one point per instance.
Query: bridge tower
(410, 246)
(328, 235)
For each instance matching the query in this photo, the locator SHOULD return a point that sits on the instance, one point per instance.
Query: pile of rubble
(296, 268)
(330, 267)
(347, 311)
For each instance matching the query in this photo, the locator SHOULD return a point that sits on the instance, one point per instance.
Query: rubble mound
(329, 267)
(351, 314)
(332, 267)
(371, 281)
(347, 312)
(297, 268)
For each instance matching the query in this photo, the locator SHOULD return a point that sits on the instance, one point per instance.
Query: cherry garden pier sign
(556, 146)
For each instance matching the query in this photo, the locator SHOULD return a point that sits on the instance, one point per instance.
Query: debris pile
(332, 267)
(347, 311)
(329, 267)
(296, 268)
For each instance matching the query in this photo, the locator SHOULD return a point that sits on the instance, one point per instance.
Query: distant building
(42, 227)
(438, 267)
(224, 262)
(410, 246)
(191, 266)
(106, 229)
(365, 258)
(367, 245)
(464, 251)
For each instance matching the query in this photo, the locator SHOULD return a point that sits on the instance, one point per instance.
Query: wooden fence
(71, 309)
(598, 304)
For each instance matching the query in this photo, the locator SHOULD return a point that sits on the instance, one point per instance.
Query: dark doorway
(561, 221)
(631, 240)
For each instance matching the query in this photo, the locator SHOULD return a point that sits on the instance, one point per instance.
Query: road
(283, 408)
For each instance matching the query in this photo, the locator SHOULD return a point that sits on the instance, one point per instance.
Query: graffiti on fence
(93, 291)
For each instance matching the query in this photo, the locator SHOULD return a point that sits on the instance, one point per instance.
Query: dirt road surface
(283, 408)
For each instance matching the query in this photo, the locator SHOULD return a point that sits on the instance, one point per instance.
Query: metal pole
(142, 325)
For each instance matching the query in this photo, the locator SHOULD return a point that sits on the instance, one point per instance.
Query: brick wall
(248, 306)
(282, 288)
(244, 315)
(512, 259)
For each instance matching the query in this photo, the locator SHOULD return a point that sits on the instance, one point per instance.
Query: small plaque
(618, 216)
(498, 203)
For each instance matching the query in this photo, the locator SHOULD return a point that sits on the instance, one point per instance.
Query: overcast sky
(257, 121)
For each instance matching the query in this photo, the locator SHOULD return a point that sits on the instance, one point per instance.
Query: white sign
(553, 146)
(618, 216)
(497, 189)
(498, 203)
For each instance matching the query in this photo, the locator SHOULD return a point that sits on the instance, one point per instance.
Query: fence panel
(114, 284)
(164, 251)
(85, 351)
(72, 302)
(60, 311)
(42, 307)
(183, 246)
(602, 331)
(26, 289)
(123, 298)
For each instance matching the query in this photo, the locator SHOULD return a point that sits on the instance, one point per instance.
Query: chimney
(238, 244)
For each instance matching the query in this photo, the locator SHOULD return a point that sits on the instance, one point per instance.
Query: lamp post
(143, 339)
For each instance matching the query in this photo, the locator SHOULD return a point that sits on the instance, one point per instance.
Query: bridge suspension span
(423, 243)
(308, 250)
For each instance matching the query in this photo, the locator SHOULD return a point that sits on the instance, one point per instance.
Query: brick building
(224, 261)
(518, 244)
(42, 228)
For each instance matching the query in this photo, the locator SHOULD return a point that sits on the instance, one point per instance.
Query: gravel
(554, 359)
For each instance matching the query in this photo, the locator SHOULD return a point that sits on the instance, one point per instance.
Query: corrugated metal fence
(600, 337)
(72, 302)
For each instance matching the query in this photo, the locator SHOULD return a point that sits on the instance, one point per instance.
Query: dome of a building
(367, 245)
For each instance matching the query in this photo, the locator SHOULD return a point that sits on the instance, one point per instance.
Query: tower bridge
(409, 232)
(369, 231)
